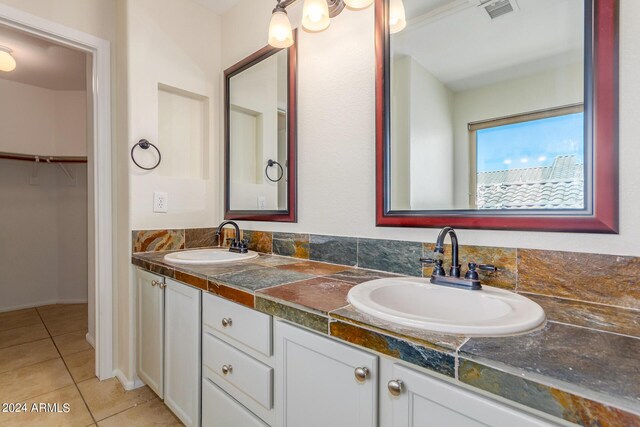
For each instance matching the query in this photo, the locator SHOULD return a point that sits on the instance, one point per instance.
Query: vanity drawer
(242, 324)
(221, 410)
(245, 373)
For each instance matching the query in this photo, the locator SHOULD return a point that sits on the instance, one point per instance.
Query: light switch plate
(160, 202)
(262, 202)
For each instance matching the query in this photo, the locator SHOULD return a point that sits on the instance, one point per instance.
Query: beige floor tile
(151, 413)
(27, 354)
(77, 415)
(64, 324)
(108, 397)
(25, 383)
(72, 342)
(82, 365)
(19, 318)
(62, 309)
(24, 334)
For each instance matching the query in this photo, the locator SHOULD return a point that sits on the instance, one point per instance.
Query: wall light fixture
(7, 62)
(316, 16)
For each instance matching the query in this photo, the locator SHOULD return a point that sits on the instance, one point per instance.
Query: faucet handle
(487, 267)
(472, 274)
(437, 268)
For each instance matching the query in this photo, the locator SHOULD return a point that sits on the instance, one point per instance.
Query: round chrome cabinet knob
(226, 322)
(227, 369)
(395, 387)
(154, 283)
(361, 374)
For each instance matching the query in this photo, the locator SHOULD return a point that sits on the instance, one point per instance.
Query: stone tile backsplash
(393, 256)
(291, 244)
(588, 290)
(158, 240)
(333, 249)
(603, 279)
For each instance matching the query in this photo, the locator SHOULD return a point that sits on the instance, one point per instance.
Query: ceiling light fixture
(7, 62)
(316, 16)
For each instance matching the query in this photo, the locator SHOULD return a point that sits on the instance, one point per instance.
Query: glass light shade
(280, 34)
(397, 19)
(358, 4)
(315, 15)
(7, 63)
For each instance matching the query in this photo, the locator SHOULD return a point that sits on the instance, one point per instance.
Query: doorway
(97, 248)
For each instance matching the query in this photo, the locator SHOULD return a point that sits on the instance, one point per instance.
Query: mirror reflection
(258, 136)
(487, 106)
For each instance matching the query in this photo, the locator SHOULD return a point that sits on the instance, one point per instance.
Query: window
(529, 161)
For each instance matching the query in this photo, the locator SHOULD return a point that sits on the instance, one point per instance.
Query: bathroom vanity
(261, 371)
(246, 355)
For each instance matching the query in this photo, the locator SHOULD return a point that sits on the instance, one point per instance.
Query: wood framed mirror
(260, 136)
(497, 114)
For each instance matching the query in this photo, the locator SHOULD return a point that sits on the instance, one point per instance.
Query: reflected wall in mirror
(486, 114)
(260, 132)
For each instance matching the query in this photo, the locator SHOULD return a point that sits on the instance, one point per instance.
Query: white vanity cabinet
(321, 382)
(237, 365)
(169, 343)
(411, 398)
(150, 328)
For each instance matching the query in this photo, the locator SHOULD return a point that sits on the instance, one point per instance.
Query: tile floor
(45, 358)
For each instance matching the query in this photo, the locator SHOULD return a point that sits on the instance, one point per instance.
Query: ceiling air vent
(499, 8)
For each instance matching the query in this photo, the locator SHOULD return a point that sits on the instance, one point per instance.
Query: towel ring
(144, 144)
(270, 163)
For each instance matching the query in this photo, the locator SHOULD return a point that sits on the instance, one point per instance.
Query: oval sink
(417, 303)
(208, 256)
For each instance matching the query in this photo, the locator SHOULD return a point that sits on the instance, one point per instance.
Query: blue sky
(530, 144)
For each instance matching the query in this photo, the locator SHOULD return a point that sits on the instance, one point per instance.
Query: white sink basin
(416, 303)
(208, 256)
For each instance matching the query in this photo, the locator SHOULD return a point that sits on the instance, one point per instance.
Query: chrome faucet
(237, 245)
(471, 279)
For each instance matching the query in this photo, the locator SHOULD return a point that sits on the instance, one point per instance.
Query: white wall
(432, 152)
(422, 124)
(42, 121)
(175, 44)
(43, 235)
(336, 126)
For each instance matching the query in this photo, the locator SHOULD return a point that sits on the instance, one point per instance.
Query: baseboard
(42, 303)
(91, 340)
(126, 382)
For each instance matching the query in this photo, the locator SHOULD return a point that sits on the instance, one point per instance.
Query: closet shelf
(45, 159)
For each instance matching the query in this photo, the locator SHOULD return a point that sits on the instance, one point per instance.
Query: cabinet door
(182, 351)
(150, 329)
(316, 384)
(427, 401)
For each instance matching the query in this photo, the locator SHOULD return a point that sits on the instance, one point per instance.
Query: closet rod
(45, 159)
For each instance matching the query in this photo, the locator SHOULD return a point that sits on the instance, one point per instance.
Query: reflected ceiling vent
(497, 8)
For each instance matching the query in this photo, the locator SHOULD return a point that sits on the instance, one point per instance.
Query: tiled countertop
(582, 375)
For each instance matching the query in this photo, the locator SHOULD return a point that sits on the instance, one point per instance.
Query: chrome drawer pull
(226, 321)
(361, 374)
(395, 387)
(227, 369)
